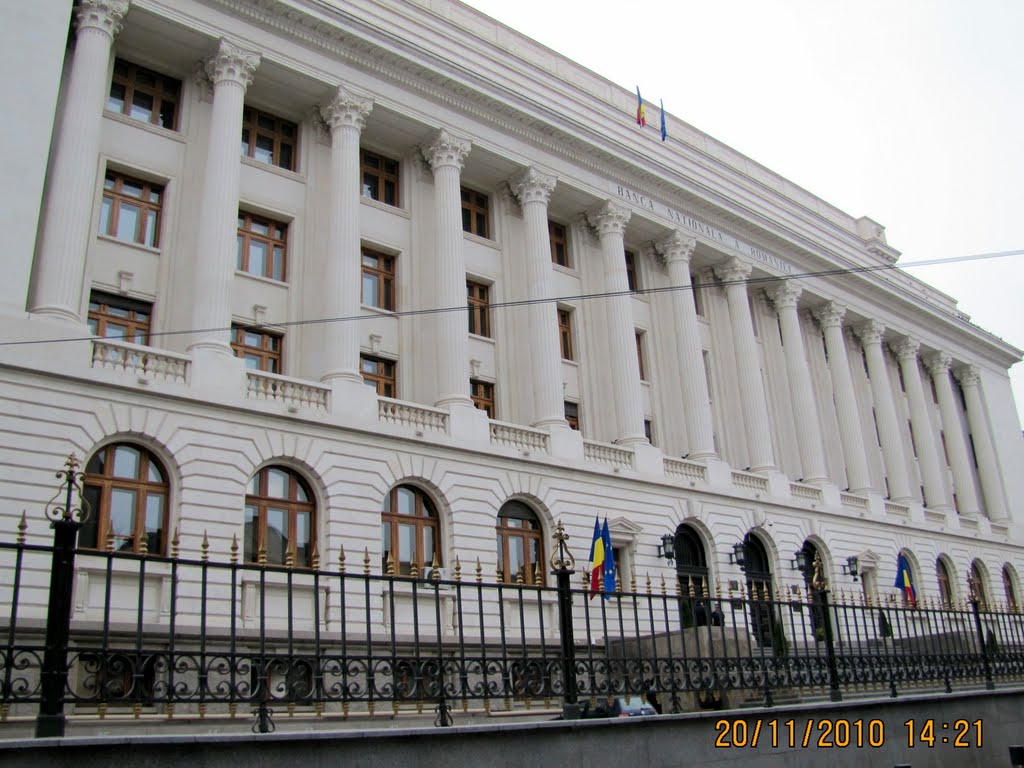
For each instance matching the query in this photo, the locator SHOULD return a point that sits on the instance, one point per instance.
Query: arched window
(409, 530)
(764, 623)
(691, 562)
(945, 583)
(1009, 589)
(979, 585)
(127, 492)
(810, 552)
(280, 518)
(520, 545)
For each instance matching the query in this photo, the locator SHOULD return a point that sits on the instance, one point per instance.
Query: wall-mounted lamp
(799, 562)
(739, 555)
(667, 548)
(852, 567)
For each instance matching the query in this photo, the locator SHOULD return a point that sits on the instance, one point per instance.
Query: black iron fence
(104, 631)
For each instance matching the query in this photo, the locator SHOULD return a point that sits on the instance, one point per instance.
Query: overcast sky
(907, 111)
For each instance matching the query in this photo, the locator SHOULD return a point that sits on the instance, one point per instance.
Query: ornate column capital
(532, 186)
(829, 315)
(232, 64)
(968, 375)
(938, 363)
(608, 218)
(733, 270)
(446, 150)
(785, 294)
(870, 332)
(347, 109)
(675, 247)
(102, 15)
(906, 349)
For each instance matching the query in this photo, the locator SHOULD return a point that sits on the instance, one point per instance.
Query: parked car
(619, 707)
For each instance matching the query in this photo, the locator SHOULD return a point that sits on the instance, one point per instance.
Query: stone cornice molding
(906, 349)
(830, 315)
(733, 271)
(870, 332)
(233, 64)
(785, 295)
(939, 363)
(675, 247)
(968, 375)
(447, 150)
(533, 186)
(346, 110)
(101, 15)
(609, 218)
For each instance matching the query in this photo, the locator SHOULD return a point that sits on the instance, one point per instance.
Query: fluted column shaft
(676, 250)
(801, 393)
(870, 334)
(345, 115)
(921, 425)
(977, 419)
(231, 70)
(748, 369)
(446, 155)
(610, 221)
(60, 271)
(939, 364)
(533, 190)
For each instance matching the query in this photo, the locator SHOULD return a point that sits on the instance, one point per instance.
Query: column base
(352, 401)
(210, 347)
(57, 313)
(466, 422)
(566, 443)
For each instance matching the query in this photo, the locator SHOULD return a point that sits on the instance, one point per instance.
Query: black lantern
(667, 548)
(739, 554)
(852, 566)
(800, 561)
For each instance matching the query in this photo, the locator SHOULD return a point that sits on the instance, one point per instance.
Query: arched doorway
(810, 554)
(758, 570)
(692, 572)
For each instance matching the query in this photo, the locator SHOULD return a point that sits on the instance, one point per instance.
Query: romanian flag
(602, 562)
(641, 113)
(905, 581)
(664, 131)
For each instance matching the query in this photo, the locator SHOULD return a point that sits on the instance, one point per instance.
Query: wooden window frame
(139, 314)
(476, 212)
(115, 197)
(293, 505)
(269, 359)
(376, 178)
(478, 298)
(516, 510)
(565, 333)
(482, 394)
(572, 414)
(945, 584)
(1009, 590)
(424, 516)
(99, 485)
(558, 240)
(640, 354)
(631, 272)
(380, 381)
(278, 135)
(166, 91)
(277, 238)
(385, 276)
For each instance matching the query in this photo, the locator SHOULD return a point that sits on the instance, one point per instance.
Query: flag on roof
(641, 113)
(664, 132)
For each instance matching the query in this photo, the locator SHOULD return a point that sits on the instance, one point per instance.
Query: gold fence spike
(414, 568)
(204, 548)
(366, 561)
(143, 544)
(479, 572)
(704, 589)
(22, 528)
(458, 569)
(519, 577)
(538, 575)
(692, 592)
(176, 542)
(389, 565)
(435, 569)
(341, 559)
(261, 554)
(663, 588)
(499, 574)
(632, 580)
(314, 557)
(648, 585)
(110, 539)
(289, 556)
(234, 548)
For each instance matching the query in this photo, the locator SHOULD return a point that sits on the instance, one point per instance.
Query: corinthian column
(610, 222)
(533, 190)
(921, 426)
(870, 334)
(60, 268)
(346, 115)
(801, 393)
(977, 420)
(956, 442)
(847, 414)
(446, 155)
(231, 70)
(676, 250)
(752, 399)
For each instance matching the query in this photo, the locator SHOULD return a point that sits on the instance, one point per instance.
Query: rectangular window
(144, 95)
(935, 394)
(478, 297)
(378, 280)
(130, 209)
(572, 415)
(974, 453)
(753, 314)
(899, 374)
(269, 139)
(482, 393)
(565, 332)
(475, 208)
(631, 271)
(117, 317)
(262, 246)
(649, 431)
(698, 295)
(913, 443)
(945, 450)
(640, 355)
(559, 241)
(261, 351)
(379, 374)
(380, 177)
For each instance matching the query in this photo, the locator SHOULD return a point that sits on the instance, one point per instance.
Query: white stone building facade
(282, 200)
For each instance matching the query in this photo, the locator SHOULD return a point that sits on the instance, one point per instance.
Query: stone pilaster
(610, 222)
(939, 364)
(677, 249)
(533, 190)
(345, 115)
(921, 425)
(60, 268)
(870, 334)
(445, 156)
(801, 392)
(977, 420)
(752, 398)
